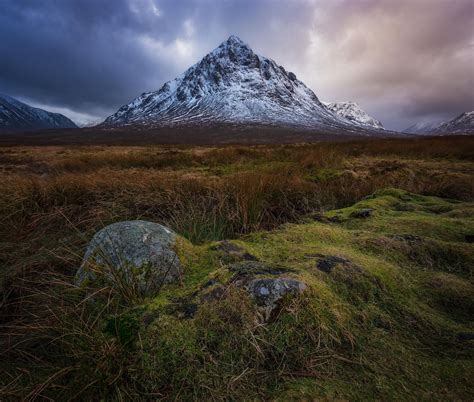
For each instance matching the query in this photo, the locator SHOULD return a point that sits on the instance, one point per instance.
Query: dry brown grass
(54, 198)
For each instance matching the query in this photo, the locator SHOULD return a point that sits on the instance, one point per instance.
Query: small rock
(268, 291)
(138, 254)
(335, 219)
(362, 213)
(329, 262)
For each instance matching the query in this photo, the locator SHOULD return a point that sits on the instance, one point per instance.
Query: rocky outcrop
(267, 292)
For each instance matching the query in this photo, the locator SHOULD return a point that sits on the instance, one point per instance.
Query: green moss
(382, 323)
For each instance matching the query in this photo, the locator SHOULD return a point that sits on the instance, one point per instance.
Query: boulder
(138, 254)
(266, 292)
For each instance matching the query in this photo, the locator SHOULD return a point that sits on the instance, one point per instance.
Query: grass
(385, 325)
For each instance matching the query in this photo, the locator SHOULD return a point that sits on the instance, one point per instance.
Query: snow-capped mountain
(352, 112)
(231, 84)
(16, 115)
(462, 124)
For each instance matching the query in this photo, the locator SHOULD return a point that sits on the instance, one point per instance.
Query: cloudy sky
(403, 61)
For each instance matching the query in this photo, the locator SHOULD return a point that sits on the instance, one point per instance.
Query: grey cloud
(402, 60)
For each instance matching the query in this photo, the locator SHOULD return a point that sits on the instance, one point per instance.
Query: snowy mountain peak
(352, 112)
(234, 42)
(233, 50)
(231, 84)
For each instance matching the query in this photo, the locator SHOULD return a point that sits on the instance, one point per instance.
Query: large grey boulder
(268, 291)
(135, 254)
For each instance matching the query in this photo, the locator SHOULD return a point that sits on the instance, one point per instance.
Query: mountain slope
(423, 128)
(231, 84)
(464, 123)
(16, 115)
(352, 112)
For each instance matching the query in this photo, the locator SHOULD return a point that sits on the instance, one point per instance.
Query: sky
(403, 61)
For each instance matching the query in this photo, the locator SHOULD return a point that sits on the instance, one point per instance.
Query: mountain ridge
(17, 116)
(461, 124)
(354, 113)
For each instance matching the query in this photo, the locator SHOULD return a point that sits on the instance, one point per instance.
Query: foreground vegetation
(391, 320)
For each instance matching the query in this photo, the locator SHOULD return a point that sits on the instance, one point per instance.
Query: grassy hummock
(386, 319)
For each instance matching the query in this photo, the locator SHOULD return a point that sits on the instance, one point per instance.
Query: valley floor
(381, 231)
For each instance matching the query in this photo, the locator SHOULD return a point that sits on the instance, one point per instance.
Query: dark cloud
(403, 60)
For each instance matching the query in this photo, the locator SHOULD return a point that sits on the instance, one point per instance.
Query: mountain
(423, 128)
(231, 84)
(16, 115)
(352, 112)
(462, 124)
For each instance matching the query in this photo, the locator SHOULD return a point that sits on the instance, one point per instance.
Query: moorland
(391, 318)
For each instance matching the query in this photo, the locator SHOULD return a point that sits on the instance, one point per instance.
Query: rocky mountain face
(232, 84)
(18, 116)
(354, 114)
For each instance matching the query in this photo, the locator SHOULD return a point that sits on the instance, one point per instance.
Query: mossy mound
(387, 312)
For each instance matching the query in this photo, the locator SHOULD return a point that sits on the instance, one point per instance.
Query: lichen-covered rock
(268, 291)
(131, 253)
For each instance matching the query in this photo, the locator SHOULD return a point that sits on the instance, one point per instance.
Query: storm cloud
(403, 61)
